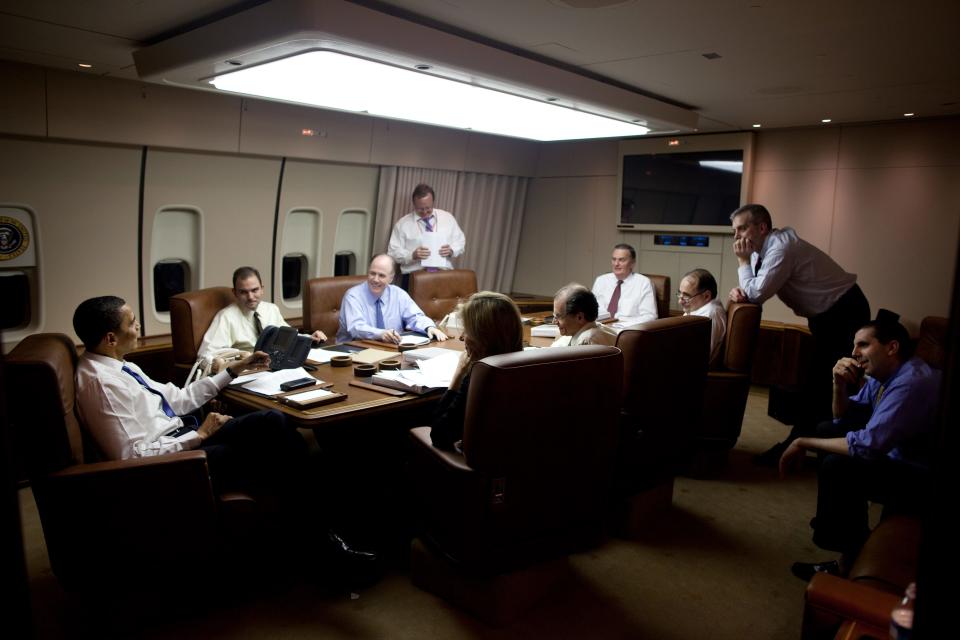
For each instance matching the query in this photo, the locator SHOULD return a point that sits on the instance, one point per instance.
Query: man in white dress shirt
(628, 296)
(697, 295)
(776, 261)
(239, 325)
(575, 309)
(415, 233)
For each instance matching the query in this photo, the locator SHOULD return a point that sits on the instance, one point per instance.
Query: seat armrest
(832, 599)
(451, 459)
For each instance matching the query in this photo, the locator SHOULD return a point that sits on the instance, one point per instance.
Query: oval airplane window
(353, 236)
(299, 246)
(174, 256)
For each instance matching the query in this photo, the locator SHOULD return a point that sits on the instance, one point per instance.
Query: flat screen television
(683, 184)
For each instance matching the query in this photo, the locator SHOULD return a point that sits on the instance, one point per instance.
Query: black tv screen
(698, 188)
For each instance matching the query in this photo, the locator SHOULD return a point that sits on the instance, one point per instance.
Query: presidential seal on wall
(14, 238)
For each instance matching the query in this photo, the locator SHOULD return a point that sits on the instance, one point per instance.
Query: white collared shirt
(718, 321)
(234, 328)
(638, 299)
(126, 420)
(406, 238)
(804, 277)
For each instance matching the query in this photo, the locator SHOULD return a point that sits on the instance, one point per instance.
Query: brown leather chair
(661, 285)
(665, 371)
(438, 293)
(100, 519)
(532, 481)
(190, 316)
(321, 304)
(728, 384)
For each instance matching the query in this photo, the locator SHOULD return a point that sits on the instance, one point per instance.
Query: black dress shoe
(771, 457)
(806, 570)
(349, 567)
(341, 551)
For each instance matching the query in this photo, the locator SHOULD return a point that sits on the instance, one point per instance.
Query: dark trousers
(833, 332)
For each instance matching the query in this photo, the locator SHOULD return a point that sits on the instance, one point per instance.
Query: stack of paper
(322, 355)
(269, 383)
(413, 340)
(424, 354)
(372, 356)
(545, 331)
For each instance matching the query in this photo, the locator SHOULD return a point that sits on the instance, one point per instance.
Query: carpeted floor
(716, 565)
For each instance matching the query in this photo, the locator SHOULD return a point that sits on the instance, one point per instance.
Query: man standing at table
(776, 261)
(425, 238)
(627, 296)
(377, 310)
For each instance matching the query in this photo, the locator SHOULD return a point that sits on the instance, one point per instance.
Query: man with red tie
(420, 234)
(627, 296)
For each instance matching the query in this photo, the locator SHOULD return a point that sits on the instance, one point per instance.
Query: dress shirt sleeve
(457, 241)
(413, 316)
(603, 299)
(355, 319)
(647, 305)
(396, 248)
(446, 428)
(194, 395)
(217, 336)
(894, 420)
(774, 272)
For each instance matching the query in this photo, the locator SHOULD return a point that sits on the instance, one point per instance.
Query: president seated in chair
(575, 309)
(378, 310)
(129, 415)
(239, 325)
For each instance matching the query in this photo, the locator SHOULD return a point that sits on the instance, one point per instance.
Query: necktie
(167, 409)
(380, 323)
(615, 300)
(756, 269)
(426, 223)
(879, 395)
(257, 325)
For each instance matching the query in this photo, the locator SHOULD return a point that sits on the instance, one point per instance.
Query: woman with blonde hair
(491, 326)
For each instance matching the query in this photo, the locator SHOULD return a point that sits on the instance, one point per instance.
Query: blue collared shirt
(901, 421)
(358, 313)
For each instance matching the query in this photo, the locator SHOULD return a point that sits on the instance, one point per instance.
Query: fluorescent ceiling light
(336, 81)
(733, 166)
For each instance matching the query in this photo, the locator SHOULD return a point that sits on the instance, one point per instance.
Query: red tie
(615, 300)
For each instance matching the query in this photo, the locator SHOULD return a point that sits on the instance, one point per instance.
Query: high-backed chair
(437, 293)
(661, 285)
(531, 483)
(191, 313)
(665, 371)
(321, 304)
(101, 519)
(728, 384)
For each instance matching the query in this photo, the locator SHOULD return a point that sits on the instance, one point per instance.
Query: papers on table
(372, 356)
(439, 370)
(322, 355)
(603, 315)
(269, 384)
(414, 340)
(545, 331)
(433, 242)
(309, 397)
(424, 354)
(248, 377)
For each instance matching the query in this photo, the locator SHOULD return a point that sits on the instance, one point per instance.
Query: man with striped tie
(879, 445)
(415, 233)
(627, 296)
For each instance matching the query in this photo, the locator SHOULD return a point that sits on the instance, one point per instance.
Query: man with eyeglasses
(697, 295)
(776, 261)
(421, 233)
(575, 309)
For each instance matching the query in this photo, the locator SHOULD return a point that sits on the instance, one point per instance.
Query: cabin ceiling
(781, 63)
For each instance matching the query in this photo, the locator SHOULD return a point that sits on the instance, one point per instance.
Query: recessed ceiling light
(713, 55)
(826, 120)
(756, 126)
(422, 67)
(337, 81)
(84, 65)
(909, 115)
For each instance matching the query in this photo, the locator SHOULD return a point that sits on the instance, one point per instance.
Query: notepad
(413, 340)
(545, 331)
(372, 356)
(309, 397)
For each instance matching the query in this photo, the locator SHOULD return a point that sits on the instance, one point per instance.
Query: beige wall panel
(906, 144)
(897, 229)
(580, 215)
(583, 158)
(274, 128)
(799, 199)
(543, 250)
(504, 156)
(107, 110)
(796, 149)
(330, 189)
(415, 145)
(23, 108)
(85, 201)
(236, 197)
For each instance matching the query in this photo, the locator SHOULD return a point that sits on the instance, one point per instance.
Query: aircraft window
(15, 293)
(353, 236)
(170, 277)
(293, 275)
(344, 263)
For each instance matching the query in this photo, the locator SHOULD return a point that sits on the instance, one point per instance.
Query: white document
(414, 341)
(249, 377)
(545, 331)
(322, 355)
(308, 396)
(432, 241)
(439, 371)
(425, 354)
(270, 384)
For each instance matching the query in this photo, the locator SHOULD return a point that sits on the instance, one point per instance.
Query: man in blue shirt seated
(878, 445)
(377, 310)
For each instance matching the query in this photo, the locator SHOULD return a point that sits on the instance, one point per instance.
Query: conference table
(361, 403)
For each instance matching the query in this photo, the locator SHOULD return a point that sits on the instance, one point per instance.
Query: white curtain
(489, 209)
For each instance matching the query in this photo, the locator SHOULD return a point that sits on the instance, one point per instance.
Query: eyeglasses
(684, 297)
